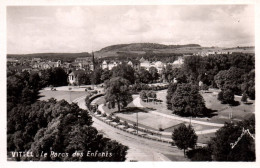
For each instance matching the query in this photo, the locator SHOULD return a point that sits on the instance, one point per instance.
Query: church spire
(93, 60)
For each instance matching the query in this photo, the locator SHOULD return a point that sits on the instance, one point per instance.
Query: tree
(60, 77)
(167, 73)
(244, 150)
(186, 101)
(84, 78)
(144, 76)
(124, 71)
(200, 154)
(248, 86)
(230, 80)
(244, 97)
(106, 74)
(61, 127)
(143, 95)
(179, 75)
(154, 74)
(171, 89)
(193, 66)
(226, 96)
(96, 76)
(184, 137)
(117, 92)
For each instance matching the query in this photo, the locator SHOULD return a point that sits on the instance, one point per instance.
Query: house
(38, 60)
(145, 64)
(104, 65)
(83, 60)
(179, 61)
(112, 64)
(159, 66)
(46, 65)
(73, 77)
(130, 63)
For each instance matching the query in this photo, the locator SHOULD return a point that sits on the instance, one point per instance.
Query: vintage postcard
(130, 82)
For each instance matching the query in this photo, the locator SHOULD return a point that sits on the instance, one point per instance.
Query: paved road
(139, 149)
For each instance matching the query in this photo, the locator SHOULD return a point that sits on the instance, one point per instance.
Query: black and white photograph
(130, 83)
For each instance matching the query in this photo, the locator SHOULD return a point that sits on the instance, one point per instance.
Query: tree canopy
(186, 101)
(117, 92)
(184, 137)
(60, 127)
(244, 150)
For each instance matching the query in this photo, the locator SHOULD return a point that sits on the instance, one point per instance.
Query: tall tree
(106, 74)
(96, 76)
(144, 76)
(60, 127)
(117, 92)
(154, 74)
(171, 89)
(186, 101)
(230, 79)
(184, 137)
(60, 77)
(124, 71)
(244, 150)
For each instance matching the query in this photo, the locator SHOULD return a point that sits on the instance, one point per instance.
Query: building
(144, 63)
(104, 65)
(83, 60)
(46, 65)
(73, 77)
(159, 66)
(179, 61)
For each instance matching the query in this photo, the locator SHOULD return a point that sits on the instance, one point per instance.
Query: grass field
(69, 96)
(222, 111)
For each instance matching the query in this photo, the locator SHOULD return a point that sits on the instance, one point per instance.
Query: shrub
(104, 115)
(244, 97)
(143, 95)
(110, 117)
(199, 154)
(160, 129)
(98, 112)
(226, 96)
(117, 120)
(94, 92)
(126, 124)
(204, 87)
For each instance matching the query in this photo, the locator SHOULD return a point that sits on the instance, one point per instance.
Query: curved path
(137, 103)
(139, 149)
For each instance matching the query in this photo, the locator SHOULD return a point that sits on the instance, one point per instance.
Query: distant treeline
(66, 57)
(150, 56)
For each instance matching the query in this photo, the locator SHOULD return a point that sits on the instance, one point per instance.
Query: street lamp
(231, 114)
(137, 122)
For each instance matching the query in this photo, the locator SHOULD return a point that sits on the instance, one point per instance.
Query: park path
(137, 103)
(139, 149)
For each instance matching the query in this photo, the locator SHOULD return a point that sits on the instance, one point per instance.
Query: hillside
(134, 49)
(141, 48)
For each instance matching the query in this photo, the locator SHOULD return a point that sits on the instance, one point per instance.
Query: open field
(223, 111)
(69, 96)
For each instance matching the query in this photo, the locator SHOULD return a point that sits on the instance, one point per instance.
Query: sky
(45, 29)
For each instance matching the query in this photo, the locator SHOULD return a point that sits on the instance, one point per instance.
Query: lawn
(222, 111)
(160, 107)
(239, 112)
(205, 138)
(69, 96)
